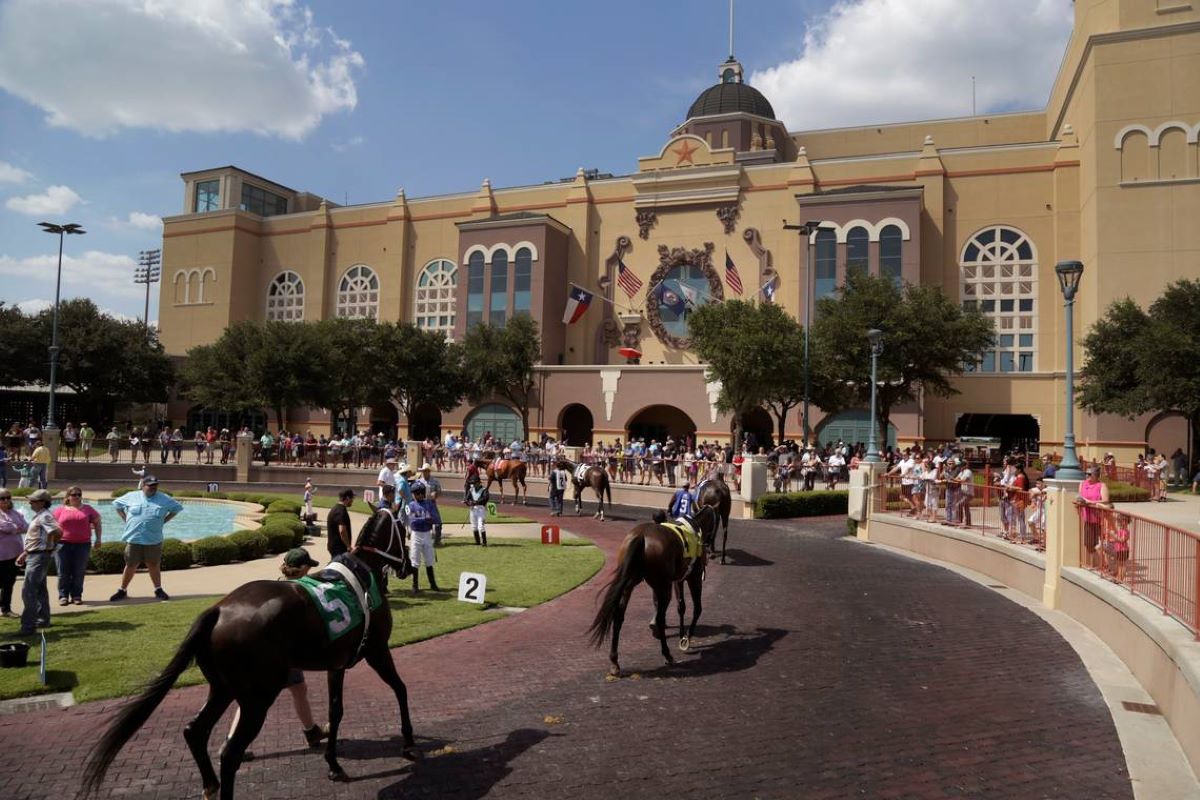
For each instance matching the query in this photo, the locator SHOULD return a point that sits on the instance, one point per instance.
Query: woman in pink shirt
(1093, 498)
(79, 522)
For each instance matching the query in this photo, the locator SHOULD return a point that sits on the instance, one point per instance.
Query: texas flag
(577, 305)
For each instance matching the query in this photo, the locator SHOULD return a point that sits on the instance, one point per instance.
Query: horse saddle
(344, 594)
(581, 473)
(688, 537)
(500, 466)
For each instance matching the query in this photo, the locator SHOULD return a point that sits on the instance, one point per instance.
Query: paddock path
(825, 670)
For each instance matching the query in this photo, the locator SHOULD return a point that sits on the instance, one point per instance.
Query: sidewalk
(1181, 510)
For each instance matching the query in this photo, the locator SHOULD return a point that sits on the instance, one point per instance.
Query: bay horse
(595, 477)
(245, 645)
(715, 492)
(502, 469)
(654, 554)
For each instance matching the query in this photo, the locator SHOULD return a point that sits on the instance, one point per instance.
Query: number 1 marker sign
(471, 587)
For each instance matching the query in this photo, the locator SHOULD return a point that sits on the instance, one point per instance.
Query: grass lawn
(113, 651)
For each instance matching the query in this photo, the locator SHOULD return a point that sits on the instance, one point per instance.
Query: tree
(421, 367)
(1138, 362)
(500, 361)
(23, 356)
(286, 366)
(352, 374)
(218, 376)
(928, 339)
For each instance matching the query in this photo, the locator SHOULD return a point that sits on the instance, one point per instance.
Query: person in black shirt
(338, 524)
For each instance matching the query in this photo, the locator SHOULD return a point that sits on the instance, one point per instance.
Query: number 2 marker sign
(471, 587)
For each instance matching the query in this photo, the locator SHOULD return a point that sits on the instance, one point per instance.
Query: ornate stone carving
(647, 218)
(611, 332)
(729, 217)
(668, 259)
(766, 272)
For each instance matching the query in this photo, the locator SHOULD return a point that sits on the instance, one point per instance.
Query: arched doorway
(758, 423)
(425, 423)
(500, 420)
(852, 427)
(385, 419)
(659, 422)
(576, 425)
(1016, 432)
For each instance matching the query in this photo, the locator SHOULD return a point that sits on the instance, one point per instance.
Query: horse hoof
(339, 776)
(410, 754)
(213, 793)
(684, 643)
(614, 671)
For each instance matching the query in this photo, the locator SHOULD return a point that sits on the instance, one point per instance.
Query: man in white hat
(387, 475)
(433, 488)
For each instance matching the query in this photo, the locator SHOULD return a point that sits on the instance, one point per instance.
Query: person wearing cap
(296, 564)
(41, 540)
(477, 497)
(433, 488)
(144, 512)
(422, 514)
(404, 494)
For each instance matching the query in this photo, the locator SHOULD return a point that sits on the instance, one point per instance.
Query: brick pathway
(825, 670)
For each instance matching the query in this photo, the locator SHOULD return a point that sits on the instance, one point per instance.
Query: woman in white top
(833, 466)
(965, 479)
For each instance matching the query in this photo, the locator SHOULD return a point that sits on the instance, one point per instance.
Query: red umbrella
(630, 352)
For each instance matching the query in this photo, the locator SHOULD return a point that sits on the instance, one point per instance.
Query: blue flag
(670, 297)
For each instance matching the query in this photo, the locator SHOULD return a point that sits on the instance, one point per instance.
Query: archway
(499, 420)
(852, 427)
(659, 422)
(761, 428)
(425, 423)
(1016, 432)
(385, 419)
(1168, 430)
(575, 424)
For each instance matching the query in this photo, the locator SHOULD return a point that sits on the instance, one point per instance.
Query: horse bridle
(392, 536)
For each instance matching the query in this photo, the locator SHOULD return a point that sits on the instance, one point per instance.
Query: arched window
(857, 244)
(522, 280)
(358, 293)
(890, 250)
(474, 290)
(285, 298)
(498, 302)
(826, 266)
(998, 277)
(434, 304)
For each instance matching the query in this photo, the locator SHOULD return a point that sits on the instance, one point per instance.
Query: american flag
(627, 280)
(731, 275)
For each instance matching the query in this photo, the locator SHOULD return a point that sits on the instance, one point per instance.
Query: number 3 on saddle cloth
(337, 600)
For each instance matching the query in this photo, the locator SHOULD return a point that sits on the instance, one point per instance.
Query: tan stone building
(984, 206)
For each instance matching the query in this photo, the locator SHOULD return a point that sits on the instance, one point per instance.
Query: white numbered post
(471, 587)
(214, 487)
(368, 495)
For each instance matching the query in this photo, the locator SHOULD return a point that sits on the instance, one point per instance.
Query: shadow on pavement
(734, 653)
(740, 558)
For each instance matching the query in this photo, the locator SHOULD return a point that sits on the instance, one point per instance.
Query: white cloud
(876, 61)
(97, 66)
(145, 222)
(37, 305)
(54, 201)
(352, 142)
(81, 275)
(13, 174)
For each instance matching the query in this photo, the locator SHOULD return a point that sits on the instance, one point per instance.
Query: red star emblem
(685, 151)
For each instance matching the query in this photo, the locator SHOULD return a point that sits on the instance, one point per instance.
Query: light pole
(61, 230)
(809, 230)
(1069, 273)
(875, 337)
(148, 272)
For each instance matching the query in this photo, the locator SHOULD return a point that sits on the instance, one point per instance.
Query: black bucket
(14, 654)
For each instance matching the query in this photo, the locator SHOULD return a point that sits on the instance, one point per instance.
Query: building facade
(1108, 173)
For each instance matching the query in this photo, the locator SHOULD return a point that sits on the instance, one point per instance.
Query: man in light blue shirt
(144, 512)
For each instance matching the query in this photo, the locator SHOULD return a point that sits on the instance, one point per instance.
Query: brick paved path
(826, 670)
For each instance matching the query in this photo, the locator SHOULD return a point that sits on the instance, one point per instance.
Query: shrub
(108, 558)
(279, 540)
(286, 521)
(213, 551)
(124, 490)
(250, 544)
(28, 490)
(801, 504)
(1121, 492)
(176, 554)
(284, 507)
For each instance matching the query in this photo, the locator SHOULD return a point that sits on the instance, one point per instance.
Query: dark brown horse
(595, 477)
(500, 470)
(715, 492)
(245, 645)
(654, 554)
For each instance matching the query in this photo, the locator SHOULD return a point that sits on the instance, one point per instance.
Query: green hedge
(801, 504)
(109, 558)
(1121, 492)
(286, 521)
(250, 544)
(284, 507)
(124, 490)
(25, 491)
(176, 554)
(198, 493)
(279, 540)
(214, 551)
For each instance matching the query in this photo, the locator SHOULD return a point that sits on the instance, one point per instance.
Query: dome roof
(728, 98)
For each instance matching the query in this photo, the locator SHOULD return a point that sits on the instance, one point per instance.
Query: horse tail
(606, 616)
(134, 714)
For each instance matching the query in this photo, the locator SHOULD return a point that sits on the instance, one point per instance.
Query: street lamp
(148, 272)
(809, 230)
(1069, 273)
(875, 337)
(61, 230)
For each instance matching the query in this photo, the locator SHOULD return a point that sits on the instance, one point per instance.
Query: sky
(103, 103)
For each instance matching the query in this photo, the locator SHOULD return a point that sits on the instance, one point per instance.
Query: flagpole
(605, 299)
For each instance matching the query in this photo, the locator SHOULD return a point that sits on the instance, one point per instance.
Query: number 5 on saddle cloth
(338, 600)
